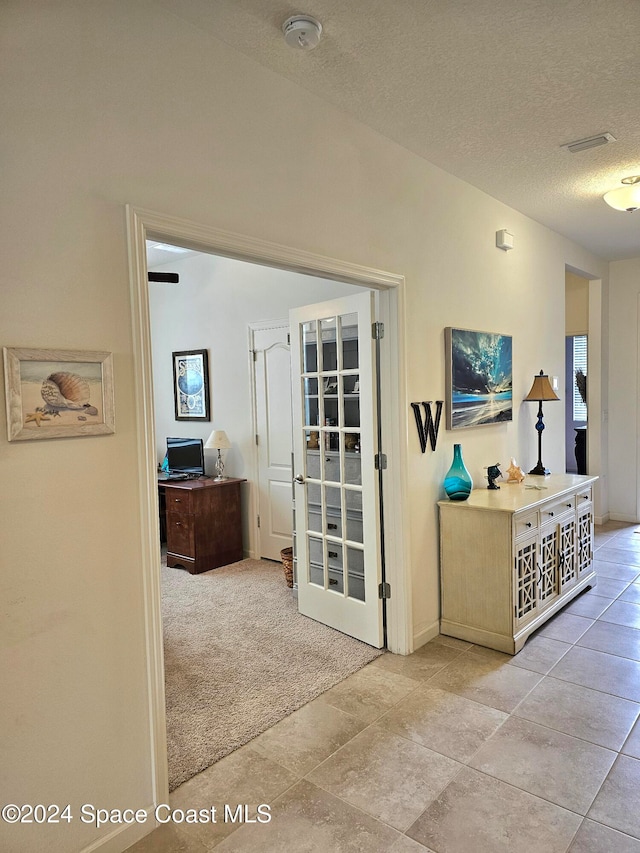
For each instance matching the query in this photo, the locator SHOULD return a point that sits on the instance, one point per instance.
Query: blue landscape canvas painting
(479, 378)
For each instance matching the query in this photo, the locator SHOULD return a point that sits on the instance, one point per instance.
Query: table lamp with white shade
(218, 441)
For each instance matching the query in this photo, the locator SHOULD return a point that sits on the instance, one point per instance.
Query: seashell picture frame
(52, 393)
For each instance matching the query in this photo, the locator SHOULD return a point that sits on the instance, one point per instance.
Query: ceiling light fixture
(589, 142)
(302, 32)
(626, 197)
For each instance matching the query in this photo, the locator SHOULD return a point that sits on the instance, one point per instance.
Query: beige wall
(576, 304)
(105, 104)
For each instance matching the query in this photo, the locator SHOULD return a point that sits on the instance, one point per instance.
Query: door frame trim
(145, 224)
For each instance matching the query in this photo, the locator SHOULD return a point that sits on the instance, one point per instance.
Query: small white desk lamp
(218, 441)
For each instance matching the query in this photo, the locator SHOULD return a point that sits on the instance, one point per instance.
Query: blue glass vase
(457, 481)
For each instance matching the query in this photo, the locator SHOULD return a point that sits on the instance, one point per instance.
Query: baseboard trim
(124, 836)
(423, 635)
(601, 519)
(621, 516)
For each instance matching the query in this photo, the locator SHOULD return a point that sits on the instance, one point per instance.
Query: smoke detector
(302, 32)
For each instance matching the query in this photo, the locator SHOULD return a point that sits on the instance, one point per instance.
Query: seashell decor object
(515, 473)
(64, 390)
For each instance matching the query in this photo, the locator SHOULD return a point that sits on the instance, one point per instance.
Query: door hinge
(377, 331)
(257, 439)
(380, 461)
(288, 339)
(384, 590)
(258, 521)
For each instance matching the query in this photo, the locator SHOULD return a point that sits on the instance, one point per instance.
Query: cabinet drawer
(525, 523)
(584, 496)
(178, 499)
(556, 509)
(180, 534)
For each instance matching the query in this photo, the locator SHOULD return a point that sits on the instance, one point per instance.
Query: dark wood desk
(203, 522)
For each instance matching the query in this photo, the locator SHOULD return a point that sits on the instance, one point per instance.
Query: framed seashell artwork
(53, 393)
(191, 385)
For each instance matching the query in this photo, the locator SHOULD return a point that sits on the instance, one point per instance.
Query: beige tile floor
(456, 748)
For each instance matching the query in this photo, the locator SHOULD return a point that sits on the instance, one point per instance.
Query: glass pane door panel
(354, 529)
(313, 496)
(352, 442)
(331, 463)
(311, 403)
(309, 347)
(335, 567)
(336, 583)
(329, 348)
(332, 500)
(353, 499)
(353, 469)
(315, 521)
(312, 455)
(349, 335)
(334, 525)
(330, 400)
(316, 561)
(355, 562)
(351, 400)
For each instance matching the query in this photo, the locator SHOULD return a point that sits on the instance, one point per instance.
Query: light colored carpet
(238, 658)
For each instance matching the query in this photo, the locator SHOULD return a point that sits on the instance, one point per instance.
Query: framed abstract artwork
(479, 378)
(191, 385)
(52, 393)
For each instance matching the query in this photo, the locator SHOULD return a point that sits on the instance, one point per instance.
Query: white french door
(272, 382)
(335, 440)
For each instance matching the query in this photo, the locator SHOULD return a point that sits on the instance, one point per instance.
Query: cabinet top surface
(200, 483)
(513, 497)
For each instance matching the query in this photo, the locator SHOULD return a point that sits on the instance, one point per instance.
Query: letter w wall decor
(427, 429)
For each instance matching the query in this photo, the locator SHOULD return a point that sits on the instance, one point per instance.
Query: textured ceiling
(486, 89)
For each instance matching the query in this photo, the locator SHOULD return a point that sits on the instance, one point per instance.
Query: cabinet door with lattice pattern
(567, 554)
(585, 541)
(548, 580)
(526, 580)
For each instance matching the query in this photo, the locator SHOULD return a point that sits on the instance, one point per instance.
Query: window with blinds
(579, 368)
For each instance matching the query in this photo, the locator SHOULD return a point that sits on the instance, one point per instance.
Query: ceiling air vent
(590, 142)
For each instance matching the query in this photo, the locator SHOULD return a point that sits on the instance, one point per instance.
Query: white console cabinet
(511, 558)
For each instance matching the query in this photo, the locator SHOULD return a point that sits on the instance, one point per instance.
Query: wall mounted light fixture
(626, 197)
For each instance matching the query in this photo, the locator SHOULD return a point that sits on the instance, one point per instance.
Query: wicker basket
(286, 556)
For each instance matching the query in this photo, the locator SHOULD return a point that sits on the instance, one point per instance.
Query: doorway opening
(576, 371)
(144, 225)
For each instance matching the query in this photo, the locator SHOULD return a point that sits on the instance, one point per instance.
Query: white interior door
(272, 369)
(335, 441)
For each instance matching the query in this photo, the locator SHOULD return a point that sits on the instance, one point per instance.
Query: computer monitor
(185, 456)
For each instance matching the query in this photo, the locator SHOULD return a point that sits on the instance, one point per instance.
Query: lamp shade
(541, 389)
(624, 198)
(218, 440)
